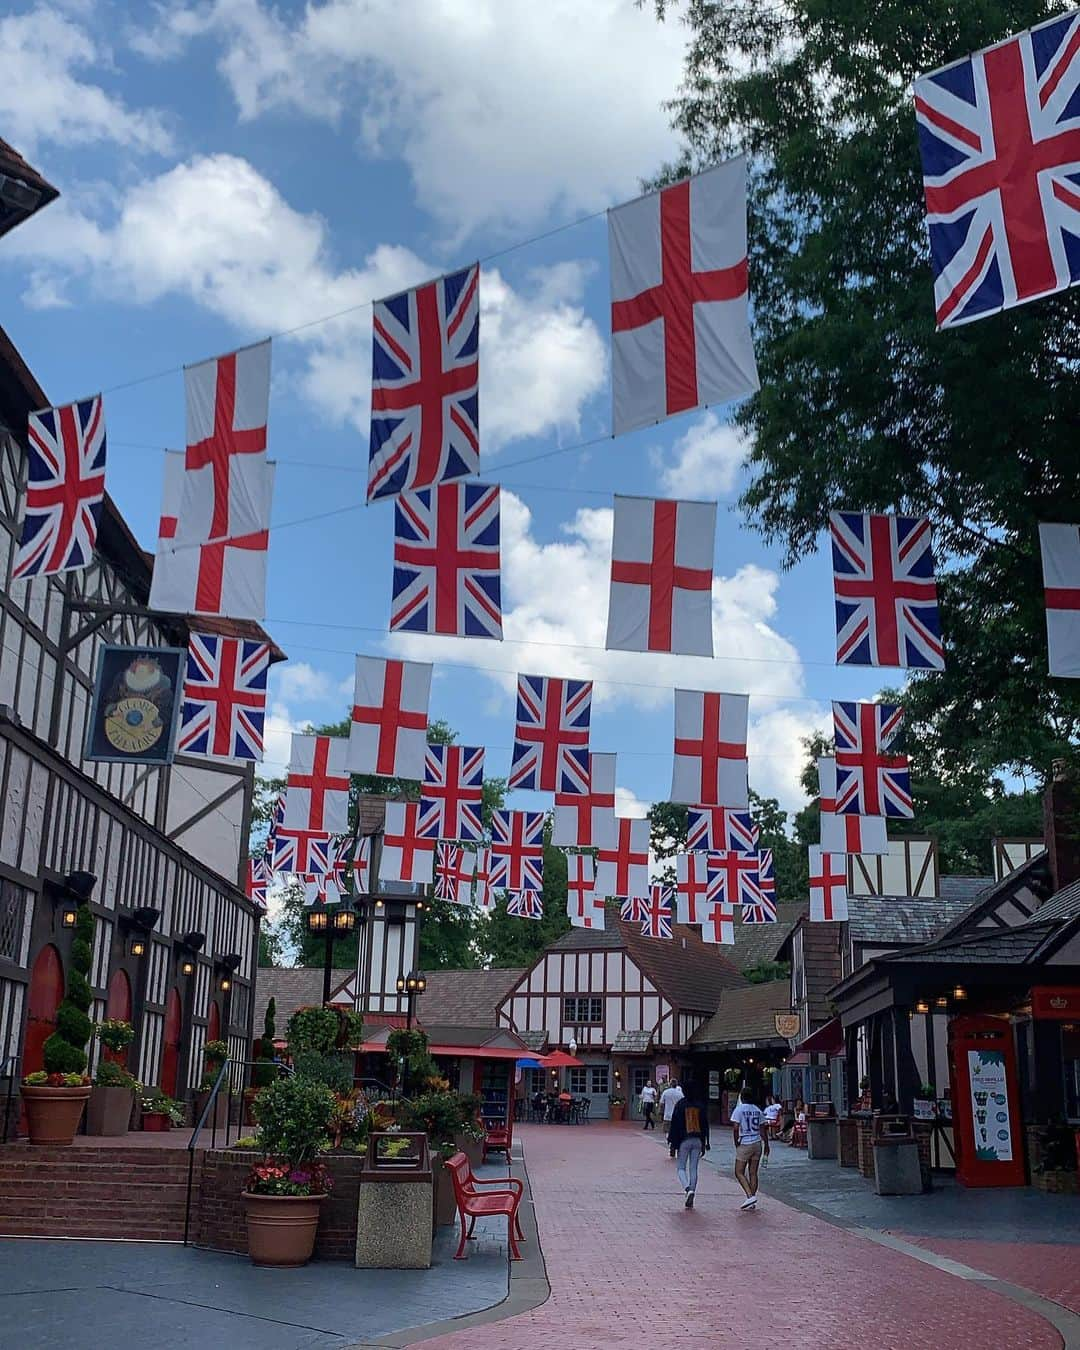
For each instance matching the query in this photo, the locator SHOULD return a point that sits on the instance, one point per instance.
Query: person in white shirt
(751, 1134)
(773, 1112)
(648, 1106)
(671, 1096)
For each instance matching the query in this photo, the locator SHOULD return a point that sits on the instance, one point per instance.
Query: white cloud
(216, 231)
(555, 611)
(503, 110)
(774, 746)
(42, 99)
(705, 461)
(300, 694)
(628, 804)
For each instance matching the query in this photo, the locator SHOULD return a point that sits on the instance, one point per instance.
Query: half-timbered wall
(387, 950)
(909, 868)
(629, 1000)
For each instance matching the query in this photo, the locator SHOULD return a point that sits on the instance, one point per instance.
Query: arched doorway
(43, 998)
(213, 1022)
(119, 999)
(170, 1049)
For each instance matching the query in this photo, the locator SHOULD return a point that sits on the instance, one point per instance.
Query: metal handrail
(210, 1106)
(9, 1069)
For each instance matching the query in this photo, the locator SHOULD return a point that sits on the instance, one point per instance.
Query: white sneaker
(749, 1202)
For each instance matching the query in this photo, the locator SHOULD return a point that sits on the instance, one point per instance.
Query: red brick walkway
(628, 1265)
(1049, 1268)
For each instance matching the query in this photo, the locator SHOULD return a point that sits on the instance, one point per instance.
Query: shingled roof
(759, 942)
(290, 988)
(898, 921)
(465, 998)
(27, 191)
(747, 1014)
(689, 972)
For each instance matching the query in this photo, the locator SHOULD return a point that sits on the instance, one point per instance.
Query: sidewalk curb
(528, 1285)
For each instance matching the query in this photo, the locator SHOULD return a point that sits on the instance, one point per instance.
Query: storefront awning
(827, 1040)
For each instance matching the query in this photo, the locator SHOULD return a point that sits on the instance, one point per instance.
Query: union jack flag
(425, 420)
(64, 491)
(525, 905)
(446, 562)
(870, 781)
(999, 133)
(453, 874)
(451, 795)
(303, 851)
(886, 596)
(720, 829)
(224, 697)
(763, 910)
(517, 850)
(633, 909)
(341, 863)
(484, 893)
(656, 917)
(733, 878)
(277, 819)
(551, 739)
(259, 877)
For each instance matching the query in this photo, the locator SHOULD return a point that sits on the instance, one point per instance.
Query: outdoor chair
(473, 1203)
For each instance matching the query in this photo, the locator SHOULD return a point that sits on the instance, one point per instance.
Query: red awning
(827, 1040)
(458, 1051)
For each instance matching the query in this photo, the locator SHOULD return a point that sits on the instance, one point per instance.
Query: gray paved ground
(114, 1295)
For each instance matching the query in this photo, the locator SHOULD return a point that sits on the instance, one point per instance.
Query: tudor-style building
(165, 844)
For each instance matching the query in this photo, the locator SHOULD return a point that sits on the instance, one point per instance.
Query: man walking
(751, 1143)
(689, 1135)
(669, 1099)
(648, 1106)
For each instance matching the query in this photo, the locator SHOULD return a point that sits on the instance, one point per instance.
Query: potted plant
(215, 1053)
(115, 1036)
(159, 1112)
(733, 1077)
(616, 1107)
(54, 1098)
(108, 1113)
(284, 1192)
(443, 1116)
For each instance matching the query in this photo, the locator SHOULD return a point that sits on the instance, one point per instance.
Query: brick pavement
(628, 1264)
(1049, 1268)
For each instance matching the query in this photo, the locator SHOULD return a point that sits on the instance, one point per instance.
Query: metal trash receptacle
(821, 1134)
(897, 1170)
(393, 1213)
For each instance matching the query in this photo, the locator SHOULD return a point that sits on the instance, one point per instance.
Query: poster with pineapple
(990, 1106)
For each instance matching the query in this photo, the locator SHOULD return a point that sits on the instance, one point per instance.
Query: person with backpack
(688, 1135)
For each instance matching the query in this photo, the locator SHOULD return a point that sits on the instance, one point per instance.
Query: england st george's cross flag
(1061, 579)
(622, 871)
(65, 489)
(406, 855)
(425, 378)
(691, 886)
(719, 924)
(720, 829)
(661, 576)
(584, 908)
(551, 738)
(317, 786)
(388, 731)
(847, 833)
(872, 778)
(587, 819)
(483, 891)
(215, 516)
(885, 591)
(680, 325)
(828, 886)
(710, 749)
(452, 791)
(999, 133)
(517, 850)
(446, 561)
(453, 874)
(224, 706)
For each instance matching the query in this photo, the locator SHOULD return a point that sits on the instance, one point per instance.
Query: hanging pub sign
(135, 705)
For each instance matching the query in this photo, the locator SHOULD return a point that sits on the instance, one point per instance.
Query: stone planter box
(218, 1117)
(1056, 1182)
(108, 1112)
(847, 1139)
(444, 1208)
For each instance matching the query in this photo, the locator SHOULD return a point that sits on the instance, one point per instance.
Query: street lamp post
(330, 922)
(410, 985)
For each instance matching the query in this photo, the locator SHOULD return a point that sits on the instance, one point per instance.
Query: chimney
(1061, 825)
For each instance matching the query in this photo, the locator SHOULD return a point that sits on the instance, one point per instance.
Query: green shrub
(115, 1075)
(313, 1029)
(114, 1033)
(441, 1115)
(215, 1052)
(65, 1050)
(293, 1116)
(334, 1070)
(264, 1070)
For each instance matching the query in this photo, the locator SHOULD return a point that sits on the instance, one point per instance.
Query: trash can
(821, 1131)
(897, 1170)
(393, 1215)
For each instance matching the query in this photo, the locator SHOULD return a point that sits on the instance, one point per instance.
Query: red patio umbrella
(559, 1059)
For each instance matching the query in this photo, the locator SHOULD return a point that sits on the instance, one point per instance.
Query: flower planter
(617, 1112)
(472, 1148)
(444, 1204)
(53, 1113)
(156, 1122)
(281, 1228)
(108, 1113)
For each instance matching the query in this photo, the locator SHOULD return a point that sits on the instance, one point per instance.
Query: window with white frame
(598, 1080)
(576, 1082)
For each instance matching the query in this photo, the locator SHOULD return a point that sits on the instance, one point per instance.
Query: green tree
(862, 404)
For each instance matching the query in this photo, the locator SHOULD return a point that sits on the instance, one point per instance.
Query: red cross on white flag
(584, 908)
(388, 734)
(361, 865)
(828, 886)
(483, 891)
(661, 576)
(1061, 579)
(680, 328)
(718, 925)
(846, 834)
(587, 819)
(622, 872)
(405, 855)
(317, 786)
(710, 749)
(453, 874)
(692, 887)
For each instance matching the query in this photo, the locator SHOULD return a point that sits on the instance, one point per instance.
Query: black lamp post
(410, 985)
(330, 922)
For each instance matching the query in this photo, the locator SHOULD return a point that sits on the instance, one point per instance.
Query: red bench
(496, 1140)
(473, 1203)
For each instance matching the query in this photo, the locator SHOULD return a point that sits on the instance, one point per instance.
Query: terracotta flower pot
(53, 1113)
(281, 1228)
(156, 1122)
(109, 1112)
(616, 1112)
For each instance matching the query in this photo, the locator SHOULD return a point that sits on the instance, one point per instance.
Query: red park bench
(473, 1203)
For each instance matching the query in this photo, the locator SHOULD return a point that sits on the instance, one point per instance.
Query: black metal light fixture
(137, 945)
(411, 986)
(187, 965)
(80, 886)
(68, 916)
(329, 922)
(146, 916)
(194, 942)
(232, 962)
(225, 984)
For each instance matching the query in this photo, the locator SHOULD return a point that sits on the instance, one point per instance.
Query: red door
(985, 1102)
(170, 1050)
(119, 1001)
(46, 991)
(213, 1023)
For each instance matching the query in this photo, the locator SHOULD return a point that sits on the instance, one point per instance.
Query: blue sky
(231, 169)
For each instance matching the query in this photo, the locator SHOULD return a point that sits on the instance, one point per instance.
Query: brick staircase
(95, 1192)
